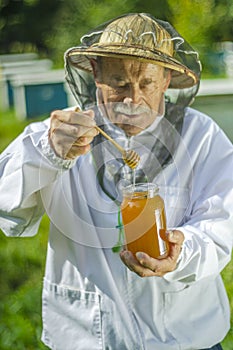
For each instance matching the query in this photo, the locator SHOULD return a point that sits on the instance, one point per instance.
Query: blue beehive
(38, 94)
(8, 71)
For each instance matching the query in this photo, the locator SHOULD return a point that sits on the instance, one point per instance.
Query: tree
(203, 22)
(52, 26)
(221, 28)
(26, 24)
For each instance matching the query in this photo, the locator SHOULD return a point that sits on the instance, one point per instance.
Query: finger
(61, 145)
(68, 147)
(174, 251)
(134, 265)
(85, 118)
(83, 141)
(61, 130)
(76, 118)
(128, 259)
(91, 132)
(76, 151)
(175, 236)
(146, 266)
(175, 239)
(157, 267)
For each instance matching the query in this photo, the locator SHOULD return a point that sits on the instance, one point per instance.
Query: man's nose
(134, 94)
(128, 100)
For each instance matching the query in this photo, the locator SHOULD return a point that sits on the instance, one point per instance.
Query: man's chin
(130, 130)
(133, 125)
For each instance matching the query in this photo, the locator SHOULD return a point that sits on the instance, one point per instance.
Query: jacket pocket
(71, 318)
(197, 316)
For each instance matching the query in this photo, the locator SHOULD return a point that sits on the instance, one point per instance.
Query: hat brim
(182, 76)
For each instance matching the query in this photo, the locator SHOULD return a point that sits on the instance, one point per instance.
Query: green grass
(22, 268)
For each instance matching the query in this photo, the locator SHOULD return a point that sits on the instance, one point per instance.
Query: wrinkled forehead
(125, 67)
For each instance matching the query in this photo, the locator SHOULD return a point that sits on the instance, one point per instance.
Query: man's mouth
(130, 116)
(130, 111)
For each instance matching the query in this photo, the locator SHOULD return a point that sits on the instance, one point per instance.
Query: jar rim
(138, 190)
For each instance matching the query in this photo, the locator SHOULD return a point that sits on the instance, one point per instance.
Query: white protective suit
(90, 299)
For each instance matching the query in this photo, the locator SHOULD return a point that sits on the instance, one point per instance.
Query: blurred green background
(49, 27)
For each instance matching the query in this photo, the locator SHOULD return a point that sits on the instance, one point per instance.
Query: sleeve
(27, 166)
(208, 228)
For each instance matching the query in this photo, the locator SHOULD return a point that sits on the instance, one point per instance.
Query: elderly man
(134, 77)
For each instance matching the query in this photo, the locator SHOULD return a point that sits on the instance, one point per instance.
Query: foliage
(50, 27)
(191, 15)
(221, 27)
(24, 25)
(89, 14)
(204, 24)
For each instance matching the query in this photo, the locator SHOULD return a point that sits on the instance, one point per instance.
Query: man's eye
(145, 83)
(121, 85)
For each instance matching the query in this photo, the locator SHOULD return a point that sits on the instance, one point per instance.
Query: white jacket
(90, 299)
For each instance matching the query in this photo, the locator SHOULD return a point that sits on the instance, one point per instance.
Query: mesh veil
(82, 83)
(179, 95)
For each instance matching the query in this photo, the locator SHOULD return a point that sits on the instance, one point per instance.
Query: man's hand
(71, 132)
(145, 266)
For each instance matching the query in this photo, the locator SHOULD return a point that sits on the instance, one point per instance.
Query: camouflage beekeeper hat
(141, 37)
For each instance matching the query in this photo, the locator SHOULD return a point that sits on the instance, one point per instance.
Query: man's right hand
(71, 132)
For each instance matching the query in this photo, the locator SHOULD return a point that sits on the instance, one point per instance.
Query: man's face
(131, 92)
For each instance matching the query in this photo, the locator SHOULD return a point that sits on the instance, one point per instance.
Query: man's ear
(94, 66)
(168, 77)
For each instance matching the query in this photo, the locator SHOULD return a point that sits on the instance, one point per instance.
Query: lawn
(21, 271)
(22, 267)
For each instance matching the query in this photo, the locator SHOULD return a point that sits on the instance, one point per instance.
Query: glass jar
(144, 220)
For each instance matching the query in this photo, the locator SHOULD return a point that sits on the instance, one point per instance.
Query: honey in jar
(144, 220)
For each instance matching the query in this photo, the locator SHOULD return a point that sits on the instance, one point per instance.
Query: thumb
(90, 113)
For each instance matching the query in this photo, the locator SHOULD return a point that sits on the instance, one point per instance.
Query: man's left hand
(146, 266)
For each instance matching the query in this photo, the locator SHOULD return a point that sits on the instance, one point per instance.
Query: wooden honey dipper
(130, 157)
